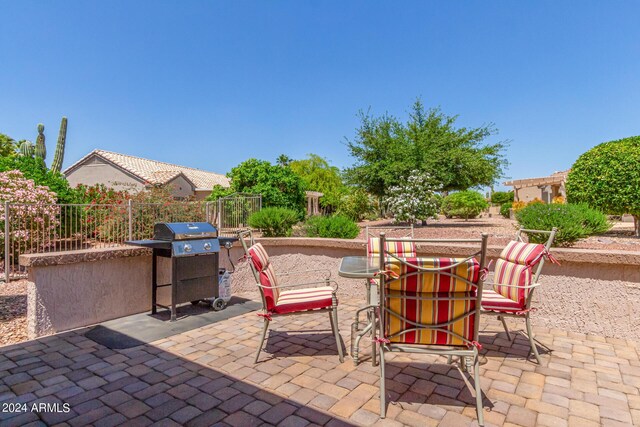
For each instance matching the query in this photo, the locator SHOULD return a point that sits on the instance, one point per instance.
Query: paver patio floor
(206, 376)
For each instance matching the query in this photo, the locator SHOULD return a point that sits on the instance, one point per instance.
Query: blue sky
(210, 84)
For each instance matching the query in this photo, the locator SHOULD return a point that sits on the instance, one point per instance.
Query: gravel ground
(501, 230)
(13, 312)
(575, 304)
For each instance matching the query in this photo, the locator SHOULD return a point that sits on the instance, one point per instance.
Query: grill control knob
(187, 248)
(207, 246)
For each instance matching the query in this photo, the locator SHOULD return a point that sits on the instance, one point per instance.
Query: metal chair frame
(267, 316)
(534, 284)
(468, 353)
(357, 330)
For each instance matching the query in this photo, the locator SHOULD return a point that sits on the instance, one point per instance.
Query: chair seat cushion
(294, 300)
(493, 301)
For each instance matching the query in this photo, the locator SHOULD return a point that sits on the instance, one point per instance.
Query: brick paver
(207, 376)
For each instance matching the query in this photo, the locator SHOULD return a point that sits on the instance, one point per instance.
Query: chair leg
(476, 380)
(383, 391)
(333, 317)
(534, 347)
(264, 334)
(504, 323)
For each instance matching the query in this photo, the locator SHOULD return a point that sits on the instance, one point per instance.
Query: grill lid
(171, 231)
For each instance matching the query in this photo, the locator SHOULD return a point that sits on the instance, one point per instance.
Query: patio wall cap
(456, 249)
(81, 255)
(591, 256)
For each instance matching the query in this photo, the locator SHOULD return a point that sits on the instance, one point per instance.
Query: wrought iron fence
(39, 228)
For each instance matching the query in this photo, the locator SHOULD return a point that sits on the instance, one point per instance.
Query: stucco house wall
(97, 171)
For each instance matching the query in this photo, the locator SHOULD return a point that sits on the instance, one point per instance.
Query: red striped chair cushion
(509, 273)
(260, 261)
(402, 249)
(523, 253)
(295, 300)
(447, 280)
(452, 297)
(495, 302)
(430, 312)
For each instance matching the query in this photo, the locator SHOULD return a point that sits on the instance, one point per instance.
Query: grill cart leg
(154, 281)
(174, 287)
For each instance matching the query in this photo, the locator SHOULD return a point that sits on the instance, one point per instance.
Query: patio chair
(289, 299)
(431, 305)
(514, 281)
(402, 249)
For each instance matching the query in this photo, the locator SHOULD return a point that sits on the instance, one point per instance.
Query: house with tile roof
(124, 172)
(544, 188)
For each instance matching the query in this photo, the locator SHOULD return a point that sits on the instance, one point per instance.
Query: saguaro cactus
(58, 157)
(41, 149)
(27, 148)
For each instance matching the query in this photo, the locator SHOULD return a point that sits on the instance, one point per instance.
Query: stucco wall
(180, 188)
(96, 171)
(527, 194)
(67, 290)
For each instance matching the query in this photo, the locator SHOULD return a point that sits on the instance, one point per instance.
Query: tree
(283, 160)
(278, 185)
(387, 150)
(414, 199)
(7, 146)
(607, 178)
(318, 175)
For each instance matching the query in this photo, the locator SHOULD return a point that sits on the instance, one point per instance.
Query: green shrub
(502, 197)
(274, 222)
(356, 204)
(574, 221)
(505, 209)
(464, 204)
(338, 226)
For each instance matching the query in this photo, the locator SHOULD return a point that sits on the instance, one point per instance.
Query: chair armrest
(531, 286)
(331, 283)
(293, 273)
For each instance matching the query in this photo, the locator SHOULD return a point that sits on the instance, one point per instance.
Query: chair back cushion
(401, 249)
(510, 273)
(514, 267)
(523, 253)
(447, 280)
(417, 301)
(261, 263)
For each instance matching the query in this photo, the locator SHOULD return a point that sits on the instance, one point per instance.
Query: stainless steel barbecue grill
(194, 249)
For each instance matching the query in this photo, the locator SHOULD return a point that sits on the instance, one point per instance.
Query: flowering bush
(33, 214)
(516, 206)
(558, 200)
(414, 199)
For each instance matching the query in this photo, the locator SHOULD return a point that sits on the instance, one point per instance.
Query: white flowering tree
(414, 199)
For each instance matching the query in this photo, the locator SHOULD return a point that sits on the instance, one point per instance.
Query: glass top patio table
(358, 267)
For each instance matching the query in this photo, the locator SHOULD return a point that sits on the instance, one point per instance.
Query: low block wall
(68, 290)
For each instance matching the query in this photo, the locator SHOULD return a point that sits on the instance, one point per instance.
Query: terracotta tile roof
(155, 172)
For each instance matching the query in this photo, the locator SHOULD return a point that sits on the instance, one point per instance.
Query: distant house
(124, 172)
(544, 188)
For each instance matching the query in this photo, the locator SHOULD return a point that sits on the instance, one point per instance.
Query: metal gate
(234, 211)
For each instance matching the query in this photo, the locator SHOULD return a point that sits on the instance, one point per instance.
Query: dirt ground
(13, 296)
